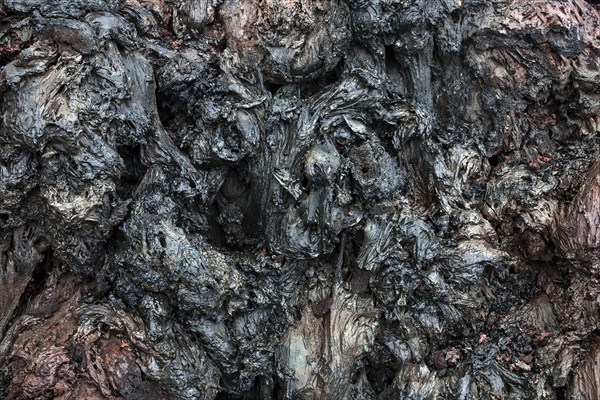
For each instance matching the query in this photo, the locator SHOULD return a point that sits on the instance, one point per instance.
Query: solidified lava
(294, 199)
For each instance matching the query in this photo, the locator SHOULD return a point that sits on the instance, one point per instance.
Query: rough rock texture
(299, 199)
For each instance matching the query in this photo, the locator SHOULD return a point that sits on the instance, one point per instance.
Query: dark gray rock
(289, 199)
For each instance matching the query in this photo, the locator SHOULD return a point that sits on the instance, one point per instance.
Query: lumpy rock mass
(299, 200)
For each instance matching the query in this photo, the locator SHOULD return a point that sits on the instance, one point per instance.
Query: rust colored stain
(54, 360)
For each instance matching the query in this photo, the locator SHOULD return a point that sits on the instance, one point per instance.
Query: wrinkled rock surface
(294, 199)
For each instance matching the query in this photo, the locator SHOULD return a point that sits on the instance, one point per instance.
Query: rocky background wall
(299, 199)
